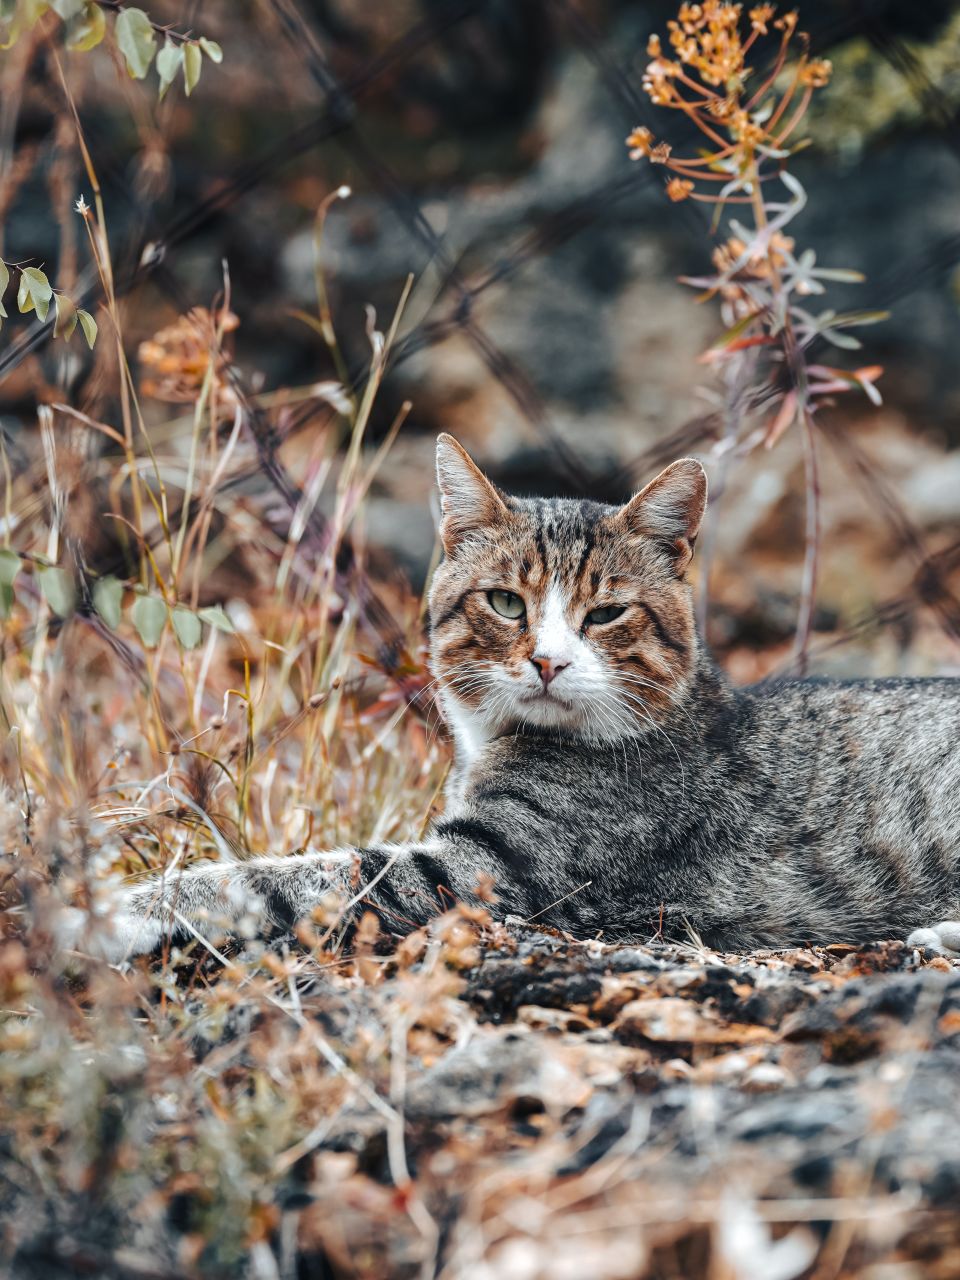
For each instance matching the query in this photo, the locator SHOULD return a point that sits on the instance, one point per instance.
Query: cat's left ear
(467, 498)
(670, 509)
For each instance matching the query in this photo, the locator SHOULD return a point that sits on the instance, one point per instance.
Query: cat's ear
(467, 498)
(670, 509)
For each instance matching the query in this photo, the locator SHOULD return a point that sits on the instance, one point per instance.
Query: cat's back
(911, 721)
(866, 763)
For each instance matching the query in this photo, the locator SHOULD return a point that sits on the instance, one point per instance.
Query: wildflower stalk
(759, 278)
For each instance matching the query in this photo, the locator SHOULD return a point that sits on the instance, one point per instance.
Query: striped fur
(607, 778)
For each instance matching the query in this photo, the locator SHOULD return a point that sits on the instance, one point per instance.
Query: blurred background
(483, 144)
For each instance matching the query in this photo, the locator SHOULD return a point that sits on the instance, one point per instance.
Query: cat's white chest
(470, 736)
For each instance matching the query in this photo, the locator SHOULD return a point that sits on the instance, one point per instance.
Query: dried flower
(679, 188)
(816, 73)
(705, 80)
(640, 142)
(745, 129)
(176, 359)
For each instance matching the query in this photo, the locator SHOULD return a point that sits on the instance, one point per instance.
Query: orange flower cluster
(176, 359)
(708, 78)
(707, 38)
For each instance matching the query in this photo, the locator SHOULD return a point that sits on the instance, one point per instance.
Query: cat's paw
(944, 938)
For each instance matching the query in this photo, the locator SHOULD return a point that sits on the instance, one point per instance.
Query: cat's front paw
(944, 938)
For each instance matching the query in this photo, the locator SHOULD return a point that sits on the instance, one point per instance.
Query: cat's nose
(548, 668)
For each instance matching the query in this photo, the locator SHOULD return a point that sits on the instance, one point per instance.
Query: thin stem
(777, 68)
(811, 563)
(797, 115)
(167, 32)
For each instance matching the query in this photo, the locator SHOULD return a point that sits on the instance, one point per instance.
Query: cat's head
(560, 614)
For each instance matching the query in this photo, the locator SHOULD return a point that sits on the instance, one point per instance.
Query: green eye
(606, 613)
(507, 604)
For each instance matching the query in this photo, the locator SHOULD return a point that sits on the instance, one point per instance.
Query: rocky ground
(513, 1104)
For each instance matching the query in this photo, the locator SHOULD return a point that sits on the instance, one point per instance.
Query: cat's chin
(549, 711)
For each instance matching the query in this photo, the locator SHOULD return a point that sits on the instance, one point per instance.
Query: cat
(607, 778)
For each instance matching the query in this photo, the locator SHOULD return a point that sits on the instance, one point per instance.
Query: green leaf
(149, 614)
(192, 66)
(737, 330)
(9, 566)
(136, 40)
(845, 341)
(211, 49)
(848, 319)
(19, 17)
(88, 29)
(187, 626)
(66, 9)
(840, 273)
(214, 616)
(88, 325)
(66, 320)
(57, 587)
(34, 293)
(169, 62)
(107, 598)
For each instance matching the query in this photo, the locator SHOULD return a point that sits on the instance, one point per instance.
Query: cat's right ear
(670, 510)
(467, 498)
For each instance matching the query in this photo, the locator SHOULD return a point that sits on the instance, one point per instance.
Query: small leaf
(736, 330)
(9, 566)
(149, 614)
(846, 341)
(66, 9)
(187, 626)
(34, 292)
(88, 29)
(57, 587)
(136, 40)
(66, 320)
(784, 419)
(169, 61)
(850, 318)
(211, 49)
(107, 598)
(192, 66)
(215, 616)
(88, 325)
(840, 273)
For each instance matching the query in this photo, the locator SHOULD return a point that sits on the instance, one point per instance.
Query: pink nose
(548, 668)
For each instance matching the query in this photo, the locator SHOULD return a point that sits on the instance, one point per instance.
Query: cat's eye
(507, 603)
(605, 613)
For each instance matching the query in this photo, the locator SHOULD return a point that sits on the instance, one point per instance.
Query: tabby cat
(608, 779)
